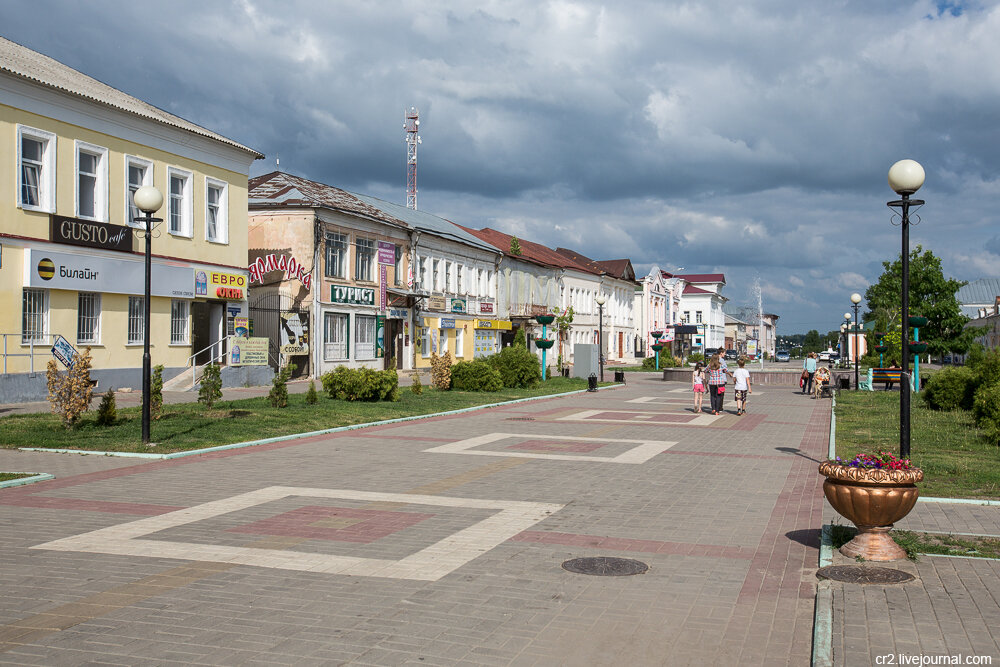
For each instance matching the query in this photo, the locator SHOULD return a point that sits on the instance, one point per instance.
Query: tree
(70, 391)
(515, 246)
(811, 343)
(931, 295)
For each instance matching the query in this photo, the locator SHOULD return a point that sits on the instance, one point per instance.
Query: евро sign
(361, 296)
(89, 233)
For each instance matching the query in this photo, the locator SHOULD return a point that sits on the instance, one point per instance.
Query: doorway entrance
(207, 320)
(393, 344)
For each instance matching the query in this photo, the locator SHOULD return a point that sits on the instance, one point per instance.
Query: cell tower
(411, 126)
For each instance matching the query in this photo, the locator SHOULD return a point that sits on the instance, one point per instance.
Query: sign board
(498, 325)
(382, 302)
(361, 296)
(436, 303)
(294, 333)
(249, 352)
(386, 253)
(220, 285)
(751, 348)
(118, 275)
(398, 314)
(241, 325)
(64, 352)
(447, 323)
(89, 233)
(486, 307)
(458, 306)
(379, 336)
(272, 262)
(668, 336)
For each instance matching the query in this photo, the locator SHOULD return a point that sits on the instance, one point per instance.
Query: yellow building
(71, 248)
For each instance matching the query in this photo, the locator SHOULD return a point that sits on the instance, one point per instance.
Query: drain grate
(520, 419)
(863, 574)
(604, 566)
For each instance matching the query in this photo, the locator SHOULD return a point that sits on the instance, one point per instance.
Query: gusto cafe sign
(286, 263)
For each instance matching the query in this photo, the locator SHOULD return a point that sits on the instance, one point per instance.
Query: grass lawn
(956, 459)
(915, 543)
(186, 426)
(8, 476)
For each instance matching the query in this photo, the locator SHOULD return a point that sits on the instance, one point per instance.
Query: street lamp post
(905, 178)
(843, 334)
(148, 200)
(855, 303)
(847, 321)
(601, 300)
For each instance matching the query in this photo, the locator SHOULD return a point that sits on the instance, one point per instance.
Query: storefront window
(335, 336)
(364, 337)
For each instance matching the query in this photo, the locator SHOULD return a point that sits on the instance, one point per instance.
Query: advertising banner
(89, 233)
(220, 285)
(436, 303)
(447, 323)
(249, 352)
(751, 348)
(386, 253)
(381, 287)
(379, 336)
(86, 273)
(295, 333)
(458, 306)
(64, 352)
(485, 307)
(241, 325)
(498, 325)
(361, 296)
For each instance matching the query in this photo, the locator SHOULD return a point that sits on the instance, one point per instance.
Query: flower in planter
(880, 461)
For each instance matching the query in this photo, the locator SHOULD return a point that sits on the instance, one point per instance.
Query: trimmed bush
(417, 387)
(441, 371)
(950, 389)
(695, 357)
(156, 392)
(107, 412)
(311, 396)
(986, 410)
(211, 385)
(278, 396)
(667, 360)
(518, 368)
(362, 384)
(475, 376)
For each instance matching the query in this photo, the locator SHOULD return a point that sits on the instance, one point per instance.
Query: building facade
(71, 244)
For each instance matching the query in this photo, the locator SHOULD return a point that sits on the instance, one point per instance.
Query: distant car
(731, 354)
(782, 355)
(947, 359)
(824, 356)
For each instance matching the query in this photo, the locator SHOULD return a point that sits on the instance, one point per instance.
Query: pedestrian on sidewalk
(698, 386)
(809, 366)
(741, 379)
(716, 384)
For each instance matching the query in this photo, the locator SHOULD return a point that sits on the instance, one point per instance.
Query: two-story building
(651, 311)
(71, 244)
(701, 306)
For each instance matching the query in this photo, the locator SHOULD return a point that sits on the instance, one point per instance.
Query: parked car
(782, 355)
(824, 355)
(731, 354)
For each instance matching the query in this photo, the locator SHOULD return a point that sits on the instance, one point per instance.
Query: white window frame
(94, 317)
(397, 267)
(442, 342)
(222, 233)
(334, 350)
(364, 326)
(186, 202)
(47, 178)
(100, 181)
(35, 334)
(447, 277)
(340, 243)
(435, 275)
(459, 282)
(425, 342)
(459, 342)
(180, 322)
(147, 179)
(368, 266)
(135, 326)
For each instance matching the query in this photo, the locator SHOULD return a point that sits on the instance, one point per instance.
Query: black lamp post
(148, 200)
(856, 304)
(843, 338)
(601, 300)
(905, 178)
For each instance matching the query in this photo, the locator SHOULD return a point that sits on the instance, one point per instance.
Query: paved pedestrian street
(437, 541)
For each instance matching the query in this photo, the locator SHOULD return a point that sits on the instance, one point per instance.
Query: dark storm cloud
(752, 139)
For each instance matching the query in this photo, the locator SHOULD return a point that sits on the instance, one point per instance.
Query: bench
(886, 376)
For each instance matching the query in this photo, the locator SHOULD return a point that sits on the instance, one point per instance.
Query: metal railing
(34, 347)
(223, 351)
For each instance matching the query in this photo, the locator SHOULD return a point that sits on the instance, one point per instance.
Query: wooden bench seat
(884, 376)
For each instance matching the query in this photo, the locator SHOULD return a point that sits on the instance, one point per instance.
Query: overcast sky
(751, 139)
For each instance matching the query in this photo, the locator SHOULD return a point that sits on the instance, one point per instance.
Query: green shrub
(417, 387)
(985, 366)
(518, 368)
(107, 412)
(521, 338)
(667, 360)
(695, 357)
(475, 376)
(156, 392)
(986, 410)
(211, 385)
(278, 396)
(362, 384)
(311, 396)
(950, 389)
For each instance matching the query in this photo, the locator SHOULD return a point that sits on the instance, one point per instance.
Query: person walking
(698, 386)
(809, 366)
(716, 385)
(741, 378)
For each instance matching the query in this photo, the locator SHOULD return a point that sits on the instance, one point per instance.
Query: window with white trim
(459, 342)
(425, 342)
(179, 310)
(136, 317)
(138, 173)
(697, 317)
(36, 173)
(447, 276)
(397, 267)
(443, 342)
(34, 315)
(88, 318)
(364, 337)
(216, 211)
(458, 280)
(336, 255)
(91, 182)
(180, 202)
(335, 338)
(364, 259)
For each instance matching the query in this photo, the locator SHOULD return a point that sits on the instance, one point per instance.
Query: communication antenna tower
(411, 126)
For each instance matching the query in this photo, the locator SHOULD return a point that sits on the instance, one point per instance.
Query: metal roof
(982, 292)
(22, 62)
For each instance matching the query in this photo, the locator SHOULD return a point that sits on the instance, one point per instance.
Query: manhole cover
(862, 574)
(520, 419)
(603, 566)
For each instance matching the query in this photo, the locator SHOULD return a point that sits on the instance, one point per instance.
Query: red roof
(691, 289)
(704, 278)
(532, 252)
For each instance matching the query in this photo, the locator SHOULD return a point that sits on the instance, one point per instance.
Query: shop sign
(272, 262)
(458, 306)
(399, 314)
(486, 307)
(89, 233)
(249, 352)
(241, 325)
(386, 253)
(119, 275)
(220, 285)
(382, 301)
(64, 352)
(294, 332)
(447, 323)
(497, 325)
(379, 337)
(361, 296)
(436, 303)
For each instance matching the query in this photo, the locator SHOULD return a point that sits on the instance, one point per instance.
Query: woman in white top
(742, 378)
(698, 386)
